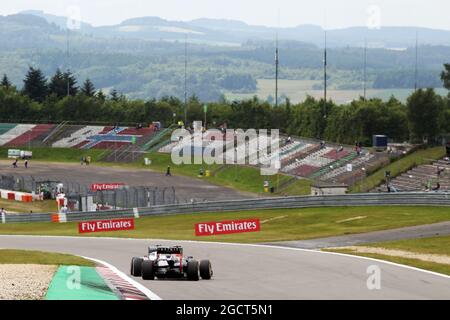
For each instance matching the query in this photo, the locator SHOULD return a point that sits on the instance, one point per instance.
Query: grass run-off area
(434, 245)
(44, 258)
(277, 225)
(400, 166)
(58, 154)
(46, 206)
(242, 178)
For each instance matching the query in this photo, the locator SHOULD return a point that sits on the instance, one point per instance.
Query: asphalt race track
(255, 272)
(186, 188)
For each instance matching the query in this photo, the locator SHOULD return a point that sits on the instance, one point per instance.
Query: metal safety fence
(124, 197)
(373, 199)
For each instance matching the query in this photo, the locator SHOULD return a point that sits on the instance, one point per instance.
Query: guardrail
(372, 199)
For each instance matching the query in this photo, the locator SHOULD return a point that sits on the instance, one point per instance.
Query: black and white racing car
(165, 262)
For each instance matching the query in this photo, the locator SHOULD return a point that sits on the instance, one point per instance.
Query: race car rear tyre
(148, 270)
(205, 269)
(136, 267)
(192, 270)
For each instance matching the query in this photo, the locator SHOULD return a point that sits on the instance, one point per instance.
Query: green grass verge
(40, 257)
(290, 224)
(400, 166)
(431, 266)
(242, 178)
(47, 206)
(58, 154)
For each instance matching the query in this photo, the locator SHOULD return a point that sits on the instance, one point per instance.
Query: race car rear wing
(167, 250)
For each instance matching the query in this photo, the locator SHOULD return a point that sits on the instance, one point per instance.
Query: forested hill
(144, 57)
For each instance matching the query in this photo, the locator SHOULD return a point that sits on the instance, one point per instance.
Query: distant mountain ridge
(217, 31)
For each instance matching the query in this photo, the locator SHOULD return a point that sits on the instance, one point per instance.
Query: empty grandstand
(429, 177)
(302, 158)
(73, 136)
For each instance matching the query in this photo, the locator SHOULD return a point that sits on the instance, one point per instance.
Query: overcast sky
(339, 13)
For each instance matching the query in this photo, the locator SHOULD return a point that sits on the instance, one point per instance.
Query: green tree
(100, 95)
(58, 85)
(35, 85)
(114, 95)
(71, 83)
(425, 111)
(445, 76)
(88, 88)
(5, 82)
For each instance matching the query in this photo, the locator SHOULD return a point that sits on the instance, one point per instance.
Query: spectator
(64, 209)
(438, 187)
(15, 163)
(2, 211)
(168, 172)
(26, 164)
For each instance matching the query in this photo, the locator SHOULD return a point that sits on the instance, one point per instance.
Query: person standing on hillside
(26, 164)
(168, 174)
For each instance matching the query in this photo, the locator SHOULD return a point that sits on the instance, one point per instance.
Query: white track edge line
(248, 245)
(151, 295)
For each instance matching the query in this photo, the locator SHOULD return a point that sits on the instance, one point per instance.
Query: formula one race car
(168, 262)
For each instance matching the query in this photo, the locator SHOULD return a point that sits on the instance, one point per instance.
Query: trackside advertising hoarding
(106, 225)
(106, 186)
(227, 227)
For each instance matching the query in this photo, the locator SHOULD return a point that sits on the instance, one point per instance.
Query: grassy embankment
(242, 178)
(57, 154)
(277, 225)
(44, 258)
(25, 207)
(434, 246)
(400, 166)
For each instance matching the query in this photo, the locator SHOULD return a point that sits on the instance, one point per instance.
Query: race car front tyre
(192, 270)
(205, 269)
(136, 267)
(148, 270)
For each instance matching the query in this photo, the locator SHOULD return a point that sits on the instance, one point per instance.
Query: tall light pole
(325, 70)
(185, 81)
(277, 61)
(68, 62)
(365, 69)
(416, 68)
